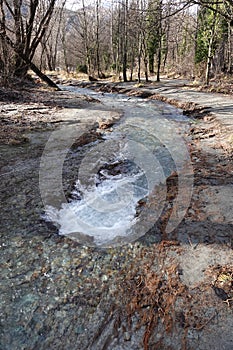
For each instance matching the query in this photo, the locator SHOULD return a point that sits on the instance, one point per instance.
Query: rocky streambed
(164, 291)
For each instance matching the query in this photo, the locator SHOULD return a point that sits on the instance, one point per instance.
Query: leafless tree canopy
(128, 38)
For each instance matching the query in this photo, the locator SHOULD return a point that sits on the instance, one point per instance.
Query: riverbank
(214, 107)
(172, 292)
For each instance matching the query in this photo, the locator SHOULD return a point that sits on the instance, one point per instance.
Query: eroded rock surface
(166, 291)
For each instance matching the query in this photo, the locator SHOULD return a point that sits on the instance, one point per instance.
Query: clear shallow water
(118, 176)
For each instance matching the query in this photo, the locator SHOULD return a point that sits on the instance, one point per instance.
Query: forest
(127, 39)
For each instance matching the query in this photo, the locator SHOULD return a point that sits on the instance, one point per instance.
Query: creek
(120, 188)
(134, 277)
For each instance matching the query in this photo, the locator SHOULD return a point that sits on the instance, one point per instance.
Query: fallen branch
(33, 67)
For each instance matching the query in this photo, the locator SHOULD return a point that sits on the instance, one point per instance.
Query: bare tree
(23, 31)
(135, 36)
(50, 41)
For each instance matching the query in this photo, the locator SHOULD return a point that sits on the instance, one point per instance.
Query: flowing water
(107, 191)
(55, 293)
(118, 174)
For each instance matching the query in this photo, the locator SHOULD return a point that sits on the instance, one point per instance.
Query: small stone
(127, 336)
(104, 278)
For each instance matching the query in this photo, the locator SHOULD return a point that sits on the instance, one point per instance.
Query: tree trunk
(4, 60)
(159, 61)
(63, 40)
(125, 42)
(139, 59)
(160, 41)
(124, 69)
(44, 77)
(132, 66)
(28, 63)
(151, 62)
(97, 38)
(229, 63)
(146, 69)
(85, 37)
(209, 60)
(210, 51)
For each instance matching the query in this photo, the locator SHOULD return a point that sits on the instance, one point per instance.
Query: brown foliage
(153, 293)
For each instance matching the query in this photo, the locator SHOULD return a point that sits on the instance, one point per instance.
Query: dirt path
(165, 291)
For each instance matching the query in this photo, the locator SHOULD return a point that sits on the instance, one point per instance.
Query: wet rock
(105, 123)
(86, 138)
(220, 293)
(92, 78)
(57, 292)
(127, 336)
(82, 238)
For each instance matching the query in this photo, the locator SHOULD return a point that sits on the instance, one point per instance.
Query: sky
(75, 4)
